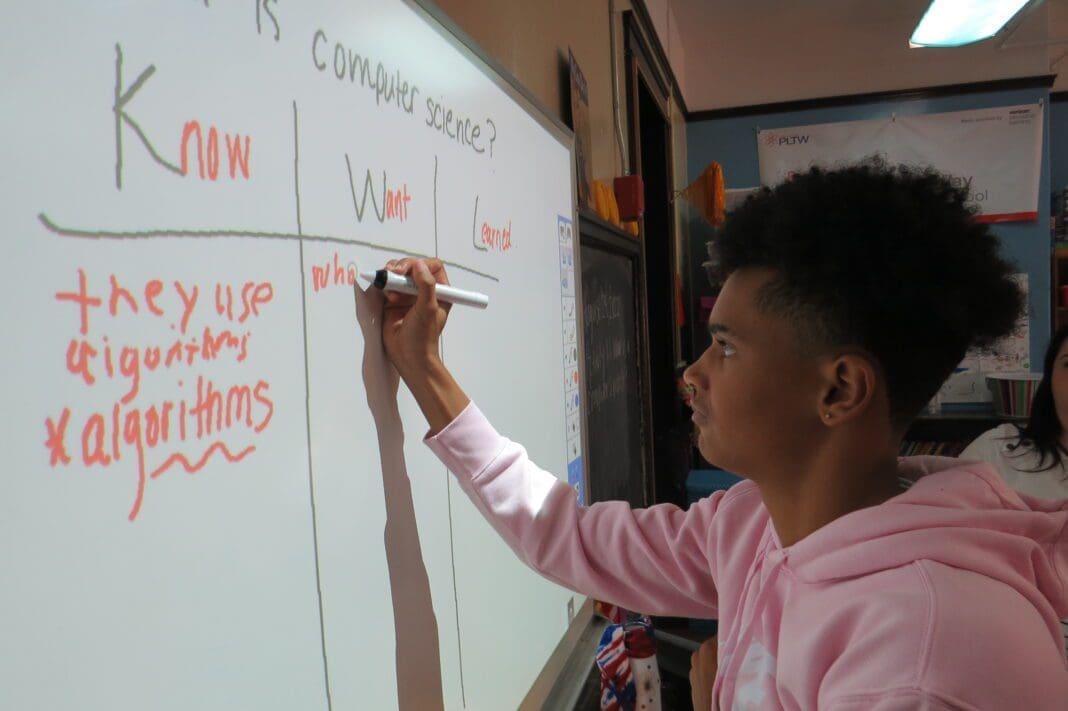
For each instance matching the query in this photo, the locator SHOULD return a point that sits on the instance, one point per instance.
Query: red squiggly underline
(194, 468)
(190, 467)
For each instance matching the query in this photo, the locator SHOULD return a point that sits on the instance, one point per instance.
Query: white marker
(388, 281)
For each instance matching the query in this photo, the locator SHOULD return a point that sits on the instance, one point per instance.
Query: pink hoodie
(947, 596)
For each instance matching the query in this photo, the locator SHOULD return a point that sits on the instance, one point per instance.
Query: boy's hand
(412, 325)
(411, 329)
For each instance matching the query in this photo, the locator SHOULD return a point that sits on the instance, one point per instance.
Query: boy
(848, 297)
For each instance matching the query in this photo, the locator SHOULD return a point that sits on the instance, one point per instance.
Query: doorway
(651, 158)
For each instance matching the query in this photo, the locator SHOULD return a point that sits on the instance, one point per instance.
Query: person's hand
(411, 328)
(703, 664)
(412, 325)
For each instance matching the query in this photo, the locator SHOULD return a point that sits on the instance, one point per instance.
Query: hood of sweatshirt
(957, 513)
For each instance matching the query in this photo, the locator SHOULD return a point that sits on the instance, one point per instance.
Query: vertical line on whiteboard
(448, 488)
(296, 177)
(455, 596)
(435, 206)
(307, 413)
(118, 119)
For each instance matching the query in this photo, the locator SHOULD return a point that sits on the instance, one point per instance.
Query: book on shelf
(911, 448)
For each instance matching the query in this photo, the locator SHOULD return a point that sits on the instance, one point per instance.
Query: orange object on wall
(708, 194)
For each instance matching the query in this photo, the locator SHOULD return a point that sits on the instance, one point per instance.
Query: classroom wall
(531, 39)
(732, 142)
(1058, 148)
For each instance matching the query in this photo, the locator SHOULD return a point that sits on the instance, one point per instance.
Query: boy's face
(756, 398)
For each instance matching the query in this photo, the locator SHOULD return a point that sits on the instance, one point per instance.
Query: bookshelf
(1060, 279)
(947, 434)
(1058, 229)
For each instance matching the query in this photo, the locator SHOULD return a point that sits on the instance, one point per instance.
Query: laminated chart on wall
(217, 495)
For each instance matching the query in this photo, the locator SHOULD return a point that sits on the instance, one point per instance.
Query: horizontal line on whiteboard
(248, 234)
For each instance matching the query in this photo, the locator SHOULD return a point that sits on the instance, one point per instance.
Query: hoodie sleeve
(899, 700)
(651, 560)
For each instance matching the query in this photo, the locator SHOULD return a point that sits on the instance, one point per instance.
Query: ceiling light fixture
(955, 23)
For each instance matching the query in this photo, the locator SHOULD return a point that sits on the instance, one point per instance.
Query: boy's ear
(849, 387)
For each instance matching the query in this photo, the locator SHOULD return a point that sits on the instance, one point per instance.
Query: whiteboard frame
(500, 76)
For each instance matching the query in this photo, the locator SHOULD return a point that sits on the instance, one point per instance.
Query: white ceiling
(728, 53)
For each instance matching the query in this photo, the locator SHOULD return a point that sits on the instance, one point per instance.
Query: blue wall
(1058, 149)
(732, 142)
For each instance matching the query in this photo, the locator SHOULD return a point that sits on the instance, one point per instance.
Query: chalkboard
(611, 310)
(216, 496)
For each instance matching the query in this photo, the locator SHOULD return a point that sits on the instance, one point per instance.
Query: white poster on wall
(996, 151)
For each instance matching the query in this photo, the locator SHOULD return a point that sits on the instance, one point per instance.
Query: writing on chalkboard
(607, 357)
(187, 429)
(602, 306)
(610, 354)
(613, 380)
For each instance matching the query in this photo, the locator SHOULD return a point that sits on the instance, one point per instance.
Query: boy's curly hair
(890, 259)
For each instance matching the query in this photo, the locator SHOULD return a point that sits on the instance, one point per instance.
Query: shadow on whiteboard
(417, 656)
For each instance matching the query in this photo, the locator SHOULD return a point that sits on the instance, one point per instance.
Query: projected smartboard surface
(214, 499)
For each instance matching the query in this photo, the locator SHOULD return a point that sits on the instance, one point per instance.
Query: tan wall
(531, 39)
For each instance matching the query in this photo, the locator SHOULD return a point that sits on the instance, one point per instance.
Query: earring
(826, 415)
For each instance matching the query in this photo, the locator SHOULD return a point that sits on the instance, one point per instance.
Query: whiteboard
(213, 497)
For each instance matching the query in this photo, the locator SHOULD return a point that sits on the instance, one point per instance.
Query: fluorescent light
(953, 23)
